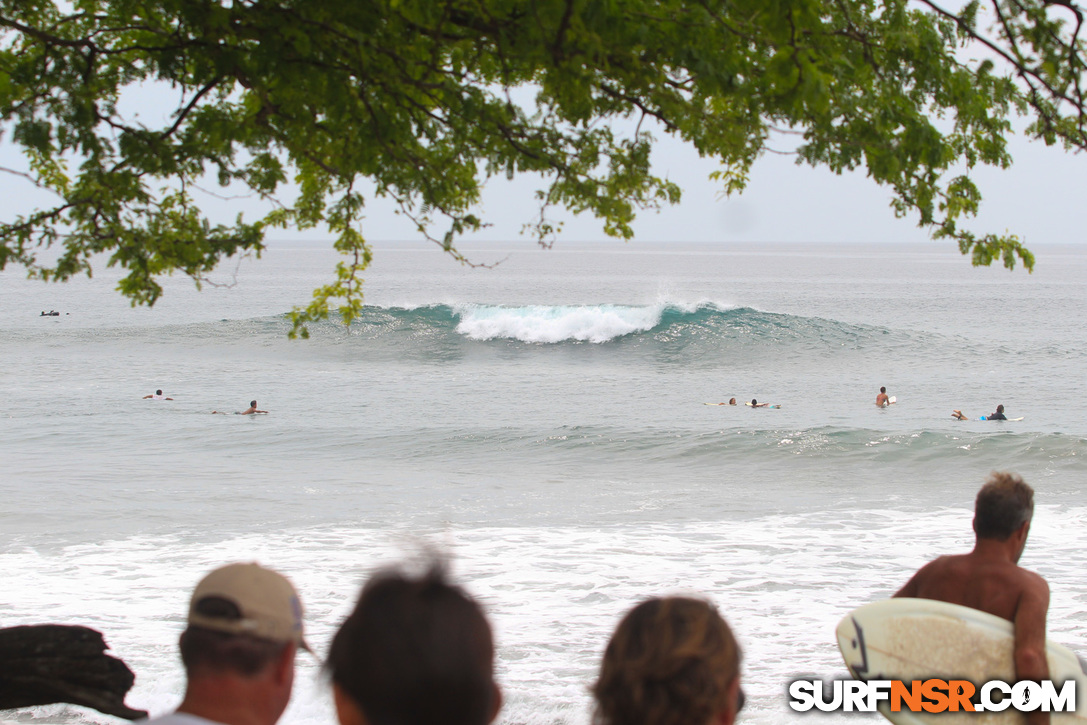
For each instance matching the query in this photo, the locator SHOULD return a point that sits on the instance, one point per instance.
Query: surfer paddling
(990, 579)
(248, 411)
(998, 415)
(756, 404)
(157, 396)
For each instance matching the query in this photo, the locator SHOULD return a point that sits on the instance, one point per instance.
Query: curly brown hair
(671, 661)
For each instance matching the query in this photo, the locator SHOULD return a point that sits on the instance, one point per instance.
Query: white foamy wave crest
(558, 323)
(550, 324)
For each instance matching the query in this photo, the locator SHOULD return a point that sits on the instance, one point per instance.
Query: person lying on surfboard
(882, 400)
(157, 396)
(756, 404)
(990, 579)
(998, 415)
(248, 411)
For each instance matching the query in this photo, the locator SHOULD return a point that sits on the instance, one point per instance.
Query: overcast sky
(1039, 198)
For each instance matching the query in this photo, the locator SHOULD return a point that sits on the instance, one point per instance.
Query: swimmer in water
(157, 396)
(882, 400)
(756, 404)
(249, 411)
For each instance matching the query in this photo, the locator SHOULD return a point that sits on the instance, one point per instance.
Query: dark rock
(50, 663)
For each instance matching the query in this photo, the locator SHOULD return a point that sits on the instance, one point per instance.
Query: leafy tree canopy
(417, 101)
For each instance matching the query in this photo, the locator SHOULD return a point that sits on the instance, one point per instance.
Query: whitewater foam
(559, 323)
(554, 594)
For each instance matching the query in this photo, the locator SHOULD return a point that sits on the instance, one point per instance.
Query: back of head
(1000, 409)
(883, 389)
(416, 651)
(670, 662)
(241, 619)
(252, 404)
(158, 392)
(1003, 504)
(208, 653)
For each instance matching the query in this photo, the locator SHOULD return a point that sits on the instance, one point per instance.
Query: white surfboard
(917, 639)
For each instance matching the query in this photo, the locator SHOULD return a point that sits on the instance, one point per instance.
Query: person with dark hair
(415, 651)
(882, 400)
(245, 627)
(671, 661)
(157, 396)
(998, 415)
(248, 411)
(989, 578)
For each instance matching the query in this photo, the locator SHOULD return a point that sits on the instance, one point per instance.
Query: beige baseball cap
(267, 602)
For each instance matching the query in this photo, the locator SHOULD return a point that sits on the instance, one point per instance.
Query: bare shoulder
(919, 583)
(943, 565)
(1033, 582)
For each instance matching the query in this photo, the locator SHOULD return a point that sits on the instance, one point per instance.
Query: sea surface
(540, 421)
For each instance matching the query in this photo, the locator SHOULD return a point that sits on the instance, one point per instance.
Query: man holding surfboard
(990, 579)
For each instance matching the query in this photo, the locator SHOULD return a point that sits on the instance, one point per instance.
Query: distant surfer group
(251, 410)
(418, 649)
(882, 401)
(753, 404)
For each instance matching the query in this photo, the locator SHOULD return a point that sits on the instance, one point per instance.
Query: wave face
(664, 322)
(669, 327)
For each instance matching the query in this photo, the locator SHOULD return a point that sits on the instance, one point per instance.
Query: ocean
(540, 421)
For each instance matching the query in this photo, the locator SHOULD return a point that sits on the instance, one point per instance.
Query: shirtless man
(882, 400)
(990, 579)
(756, 404)
(248, 411)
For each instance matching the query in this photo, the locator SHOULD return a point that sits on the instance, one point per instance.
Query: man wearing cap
(245, 626)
